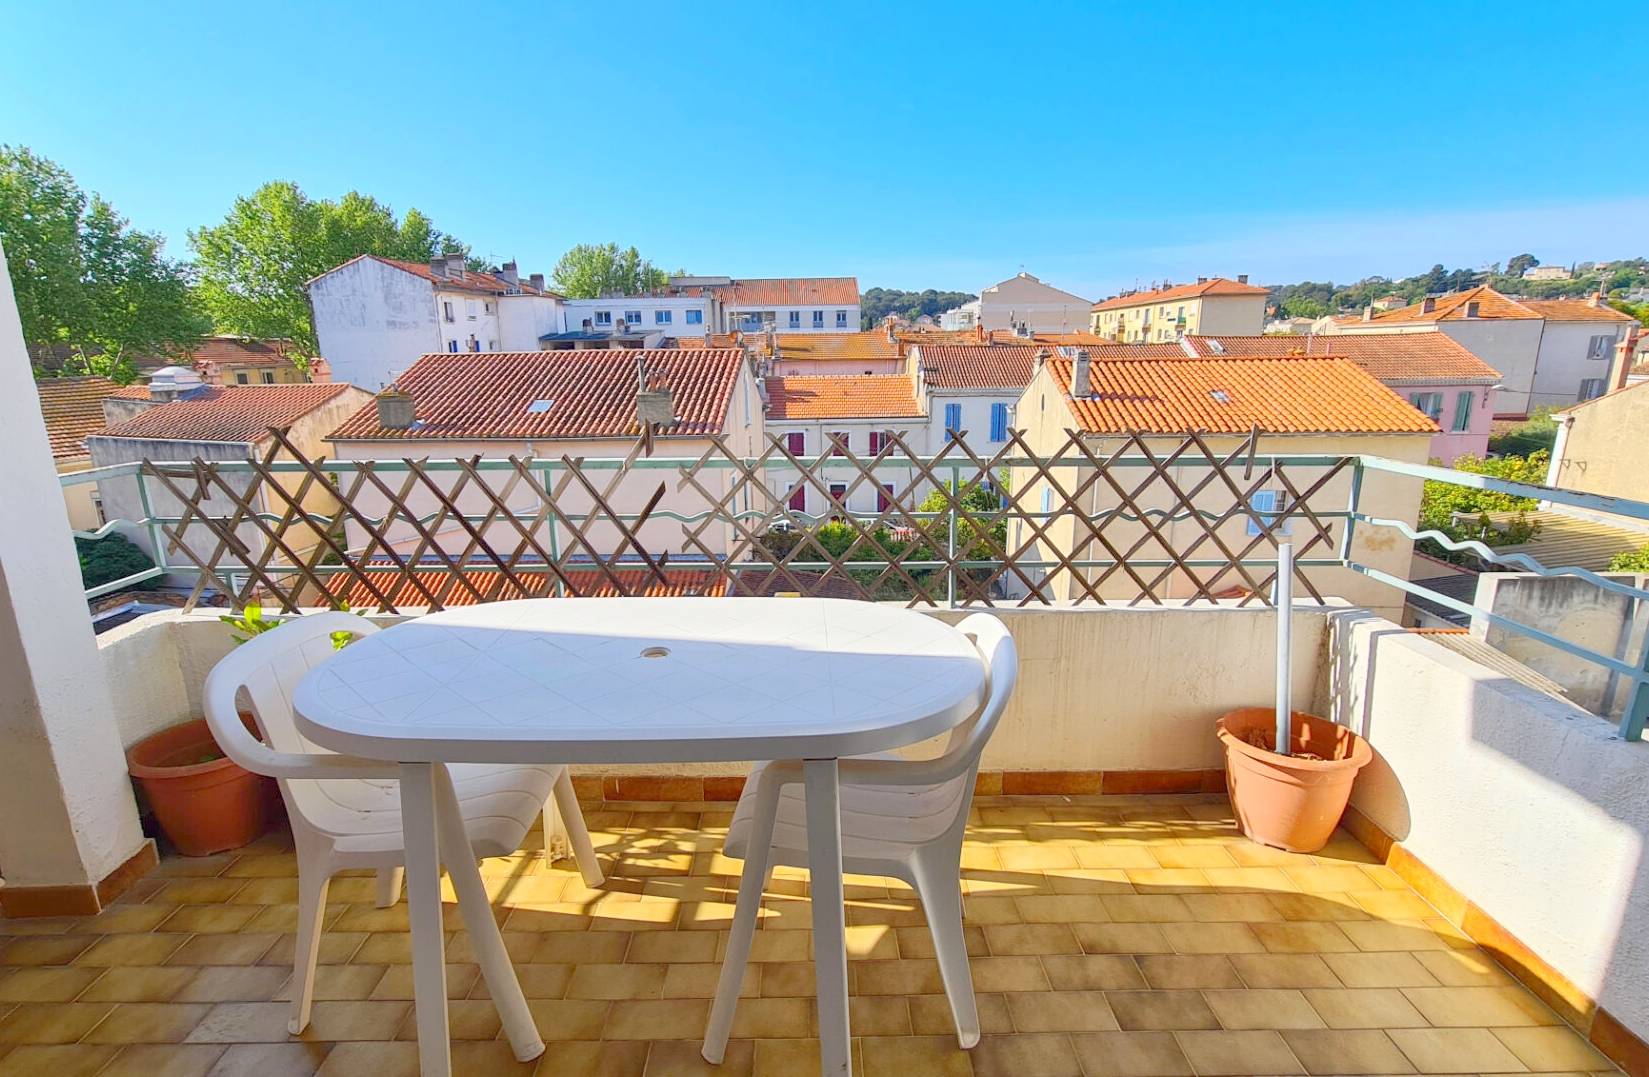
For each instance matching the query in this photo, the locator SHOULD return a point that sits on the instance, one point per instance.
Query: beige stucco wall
(1600, 446)
(80, 498)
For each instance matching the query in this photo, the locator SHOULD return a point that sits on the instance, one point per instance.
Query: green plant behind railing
(252, 622)
(1460, 512)
(112, 557)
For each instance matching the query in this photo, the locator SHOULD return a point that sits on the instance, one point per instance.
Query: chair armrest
(305, 765)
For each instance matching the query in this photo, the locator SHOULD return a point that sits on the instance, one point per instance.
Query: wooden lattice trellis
(1136, 523)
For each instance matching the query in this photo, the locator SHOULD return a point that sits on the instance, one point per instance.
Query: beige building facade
(1213, 306)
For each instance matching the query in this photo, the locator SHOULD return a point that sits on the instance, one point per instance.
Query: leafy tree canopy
(1460, 512)
(256, 264)
(86, 280)
(878, 303)
(590, 270)
(1518, 263)
(1311, 299)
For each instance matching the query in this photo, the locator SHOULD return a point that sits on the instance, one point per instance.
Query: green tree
(255, 266)
(878, 303)
(594, 269)
(1461, 512)
(1630, 560)
(1518, 263)
(84, 277)
(110, 558)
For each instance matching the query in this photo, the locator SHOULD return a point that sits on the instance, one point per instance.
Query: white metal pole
(1284, 599)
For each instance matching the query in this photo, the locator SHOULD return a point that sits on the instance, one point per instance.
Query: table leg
(824, 863)
(490, 954)
(429, 969)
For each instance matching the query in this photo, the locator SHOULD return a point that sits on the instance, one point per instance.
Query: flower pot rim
(1360, 756)
(188, 770)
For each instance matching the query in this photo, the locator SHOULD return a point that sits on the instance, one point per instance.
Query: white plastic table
(630, 680)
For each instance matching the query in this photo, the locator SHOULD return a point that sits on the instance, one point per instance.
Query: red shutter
(798, 499)
(875, 442)
(795, 443)
(884, 497)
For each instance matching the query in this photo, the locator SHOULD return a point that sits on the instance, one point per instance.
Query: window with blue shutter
(953, 420)
(1266, 504)
(999, 422)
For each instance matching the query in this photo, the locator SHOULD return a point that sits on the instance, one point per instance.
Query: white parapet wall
(1533, 809)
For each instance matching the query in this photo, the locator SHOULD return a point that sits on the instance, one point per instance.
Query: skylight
(1220, 396)
(539, 407)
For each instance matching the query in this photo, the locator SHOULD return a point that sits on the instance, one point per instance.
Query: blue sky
(911, 145)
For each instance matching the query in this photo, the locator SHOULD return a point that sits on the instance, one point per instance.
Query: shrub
(112, 557)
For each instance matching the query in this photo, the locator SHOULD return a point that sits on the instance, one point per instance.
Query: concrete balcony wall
(1531, 808)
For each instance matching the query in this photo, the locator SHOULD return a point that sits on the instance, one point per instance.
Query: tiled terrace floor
(1116, 935)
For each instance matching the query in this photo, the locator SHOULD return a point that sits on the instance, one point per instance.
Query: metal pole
(1637, 710)
(950, 576)
(1284, 598)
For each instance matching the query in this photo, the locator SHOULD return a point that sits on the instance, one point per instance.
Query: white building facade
(671, 315)
(1024, 304)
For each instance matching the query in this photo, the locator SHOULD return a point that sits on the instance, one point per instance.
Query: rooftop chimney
(1595, 299)
(1042, 356)
(438, 266)
(395, 410)
(1368, 314)
(320, 370)
(892, 337)
(171, 383)
(537, 281)
(508, 273)
(455, 265)
(1428, 304)
(654, 407)
(1202, 280)
(1242, 278)
(1081, 383)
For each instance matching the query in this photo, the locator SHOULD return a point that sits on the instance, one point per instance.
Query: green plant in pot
(204, 801)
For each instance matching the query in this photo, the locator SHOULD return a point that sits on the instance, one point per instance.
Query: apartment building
(1213, 306)
(231, 360)
(73, 410)
(807, 412)
(783, 304)
(1549, 352)
(372, 314)
(1022, 304)
(667, 314)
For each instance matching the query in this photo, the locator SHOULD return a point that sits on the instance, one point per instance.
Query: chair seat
(499, 803)
(880, 823)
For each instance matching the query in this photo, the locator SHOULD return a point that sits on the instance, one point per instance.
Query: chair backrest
(267, 668)
(1001, 658)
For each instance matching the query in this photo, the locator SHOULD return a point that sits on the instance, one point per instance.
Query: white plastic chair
(346, 812)
(901, 818)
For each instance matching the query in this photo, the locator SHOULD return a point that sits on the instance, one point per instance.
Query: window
(661, 317)
(884, 497)
(877, 440)
(269, 377)
(469, 309)
(1599, 347)
(1463, 411)
(492, 345)
(604, 317)
(798, 498)
(795, 443)
(953, 421)
(1266, 504)
(999, 422)
(446, 310)
(452, 345)
(633, 317)
(695, 317)
(1047, 501)
(795, 319)
(838, 494)
(490, 307)
(841, 319)
(1429, 404)
(818, 319)
(845, 439)
(1591, 388)
(242, 377)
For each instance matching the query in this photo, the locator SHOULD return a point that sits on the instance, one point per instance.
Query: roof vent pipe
(1081, 377)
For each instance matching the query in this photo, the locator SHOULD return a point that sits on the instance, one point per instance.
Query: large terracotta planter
(203, 801)
(1289, 803)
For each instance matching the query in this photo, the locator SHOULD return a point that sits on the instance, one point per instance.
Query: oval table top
(644, 680)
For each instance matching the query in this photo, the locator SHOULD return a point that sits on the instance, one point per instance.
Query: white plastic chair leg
(578, 835)
(758, 860)
(313, 881)
(940, 888)
(389, 886)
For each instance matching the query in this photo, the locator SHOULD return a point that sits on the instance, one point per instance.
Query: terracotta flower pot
(202, 799)
(1289, 803)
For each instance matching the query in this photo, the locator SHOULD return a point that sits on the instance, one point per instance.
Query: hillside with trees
(878, 303)
(1313, 299)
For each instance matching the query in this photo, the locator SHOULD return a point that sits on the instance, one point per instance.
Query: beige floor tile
(1113, 856)
(1061, 1011)
(245, 1022)
(925, 1056)
(1149, 1011)
(1169, 880)
(651, 947)
(1025, 1055)
(1371, 1007)
(678, 1058)
(138, 983)
(1131, 1054)
(1299, 937)
(1121, 939)
(1011, 973)
(1212, 938)
(271, 1060)
(1347, 1051)
(148, 1022)
(114, 950)
(1249, 879)
(336, 983)
(672, 1018)
(168, 1059)
(1188, 971)
(1478, 1007)
(125, 919)
(626, 981)
(1319, 880)
(1393, 935)
(1250, 1009)
(1093, 972)
(1039, 858)
(467, 1020)
(378, 1059)
(918, 941)
(46, 984)
(1062, 909)
(1193, 856)
(580, 947)
(1284, 970)
(762, 1018)
(1215, 1054)
(1384, 969)
(1394, 905)
(394, 982)
(1008, 940)
(570, 1019)
(1463, 968)
(229, 983)
(1240, 907)
(1146, 908)
(930, 1015)
(210, 919)
(1327, 907)
(700, 980)
(243, 948)
(58, 1060)
(1552, 1048)
(51, 1022)
(1455, 1050)
(900, 977)
(874, 1015)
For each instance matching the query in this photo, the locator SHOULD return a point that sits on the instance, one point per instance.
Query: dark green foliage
(112, 557)
(878, 303)
(1536, 434)
(1311, 299)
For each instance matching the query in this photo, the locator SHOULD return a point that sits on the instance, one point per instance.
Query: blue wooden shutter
(953, 418)
(999, 422)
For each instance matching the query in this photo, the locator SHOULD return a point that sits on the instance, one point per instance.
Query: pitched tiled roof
(1008, 366)
(1575, 310)
(72, 408)
(871, 345)
(789, 292)
(481, 283)
(1418, 357)
(1231, 396)
(1492, 305)
(239, 351)
(240, 413)
(843, 396)
(1211, 286)
(592, 394)
(581, 581)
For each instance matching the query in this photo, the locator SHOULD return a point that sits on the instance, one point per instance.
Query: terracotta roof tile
(592, 394)
(1231, 396)
(239, 351)
(239, 413)
(1575, 310)
(845, 396)
(1009, 366)
(1418, 357)
(585, 582)
(789, 292)
(471, 281)
(72, 408)
(1211, 286)
(1492, 305)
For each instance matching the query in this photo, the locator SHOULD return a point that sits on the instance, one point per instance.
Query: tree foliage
(112, 557)
(878, 303)
(1460, 512)
(590, 270)
(1518, 263)
(255, 266)
(1310, 299)
(84, 278)
(1630, 560)
(1537, 432)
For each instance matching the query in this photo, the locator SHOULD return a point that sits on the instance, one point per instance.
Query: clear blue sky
(911, 145)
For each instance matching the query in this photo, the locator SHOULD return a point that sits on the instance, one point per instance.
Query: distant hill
(1313, 299)
(878, 303)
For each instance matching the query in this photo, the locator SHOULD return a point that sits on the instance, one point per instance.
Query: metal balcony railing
(1133, 519)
